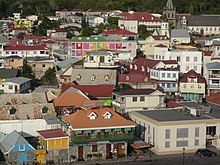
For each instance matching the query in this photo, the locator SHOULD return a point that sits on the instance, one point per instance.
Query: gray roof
(100, 74)
(67, 63)
(11, 140)
(170, 115)
(16, 80)
(3, 39)
(203, 20)
(51, 119)
(179, 33)
(213, 66)
(8, 73)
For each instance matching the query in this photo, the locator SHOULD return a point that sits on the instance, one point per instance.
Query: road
(188, 161)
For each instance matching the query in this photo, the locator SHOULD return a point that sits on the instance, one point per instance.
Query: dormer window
(44, 110)
(12, 111)
(127, 78)
(135, 67)
(92, 116)
(131, 66)
(78, 78)
(107, 78)
(93, 78)
(142, 68)
(107, 115)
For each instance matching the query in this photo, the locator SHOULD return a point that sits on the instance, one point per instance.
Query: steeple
(169, 4)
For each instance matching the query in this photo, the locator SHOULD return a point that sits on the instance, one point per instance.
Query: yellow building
(53, 139)
(192, 86)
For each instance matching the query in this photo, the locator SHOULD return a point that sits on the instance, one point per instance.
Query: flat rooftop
(169, 115)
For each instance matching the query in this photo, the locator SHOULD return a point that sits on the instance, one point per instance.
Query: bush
(99, 155)
(95, 155)
(121, 156)
(73, 157)
(89, 156)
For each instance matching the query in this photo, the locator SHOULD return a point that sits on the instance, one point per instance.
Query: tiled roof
(215, 98)
(160, 37)
(192, 73)
(22, 47)
(80, 119)
(170, 62)
(132, 78)
(60, 30)
(52, 133)
(179, 33)
(136, 92)
(91, 90)
(161, 46)
(8, 73)
(207, 52)
(172, 104)
(140, 16)
(72, 99)
(119, 32)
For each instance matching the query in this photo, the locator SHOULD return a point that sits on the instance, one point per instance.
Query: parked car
(205, 153)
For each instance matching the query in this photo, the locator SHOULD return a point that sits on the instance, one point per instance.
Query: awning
(140, 145)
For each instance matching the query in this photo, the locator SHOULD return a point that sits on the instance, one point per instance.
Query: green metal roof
(88, 39)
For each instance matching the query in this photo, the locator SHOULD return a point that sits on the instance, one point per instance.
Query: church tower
(169, 12)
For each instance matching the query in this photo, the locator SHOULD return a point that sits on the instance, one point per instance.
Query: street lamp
(183, 155)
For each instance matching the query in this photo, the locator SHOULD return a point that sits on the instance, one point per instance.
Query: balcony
(111, 136)
(118, 104)
(214, 86)
(210, 137)
(215, 76)
(99, 65)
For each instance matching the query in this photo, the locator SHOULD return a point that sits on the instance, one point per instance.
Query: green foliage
(143, 32)
(26, 71)
(72, 157)
(89, 156)
(99, 155)
(123, 87)
(46, 24)
(86, 29)
(49, 78)
(121, 156)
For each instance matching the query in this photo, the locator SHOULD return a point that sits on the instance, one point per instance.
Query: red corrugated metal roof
(120, 32)
(200, 79)
(23, 47)
(172, 104)
(140, 16)
(215, 98)
(52, 133)
(91, 90)
(161, 37)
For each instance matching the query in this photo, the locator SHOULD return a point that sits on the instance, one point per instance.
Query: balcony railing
(214, 76)
(82, 139)
(215, 86)
(118, 104)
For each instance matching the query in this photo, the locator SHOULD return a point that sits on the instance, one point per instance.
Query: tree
(26, 71)
(143, 32)
(49, 78)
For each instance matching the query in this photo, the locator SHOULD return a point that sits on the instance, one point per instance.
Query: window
(195, 59)
(187, 59)
(163, 74)
(197, 132)
(196, 142)
(182, 143)
(184, 85)
(43, 65)
(91, 58)
(93, 78)
(94, 148)
(167, 133)
(187, 68)
(21, 147)
(127, 78)
(134, 99)
(102, 59)
(163, 84)
(12, 111)
(44, 110)
(35, 52)
(168, 75)
(168, 85)
(182, 132)
(142, 98)
(33, 65)
(78, 77)
(41, 52)
(107, 78)
(174, 75)
(195, 68)
(174, 85)
(178, 59)
(167, 144)
(10, 87)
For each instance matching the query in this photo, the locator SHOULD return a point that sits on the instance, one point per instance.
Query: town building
(170, 130)
(192, 86)
(99, 131)
(169, 13)
(13, 62)
(79, 45)
(15, 85)
(16, 149)
(57, 33)
(188, 57)
(131, 20)
(137, 99)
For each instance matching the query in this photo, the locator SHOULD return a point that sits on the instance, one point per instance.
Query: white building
(15, 85)
(171, 130)
(188, 57)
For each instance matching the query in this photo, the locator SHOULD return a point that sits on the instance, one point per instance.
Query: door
(22, 157)
(108, 151)
(80, 153)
